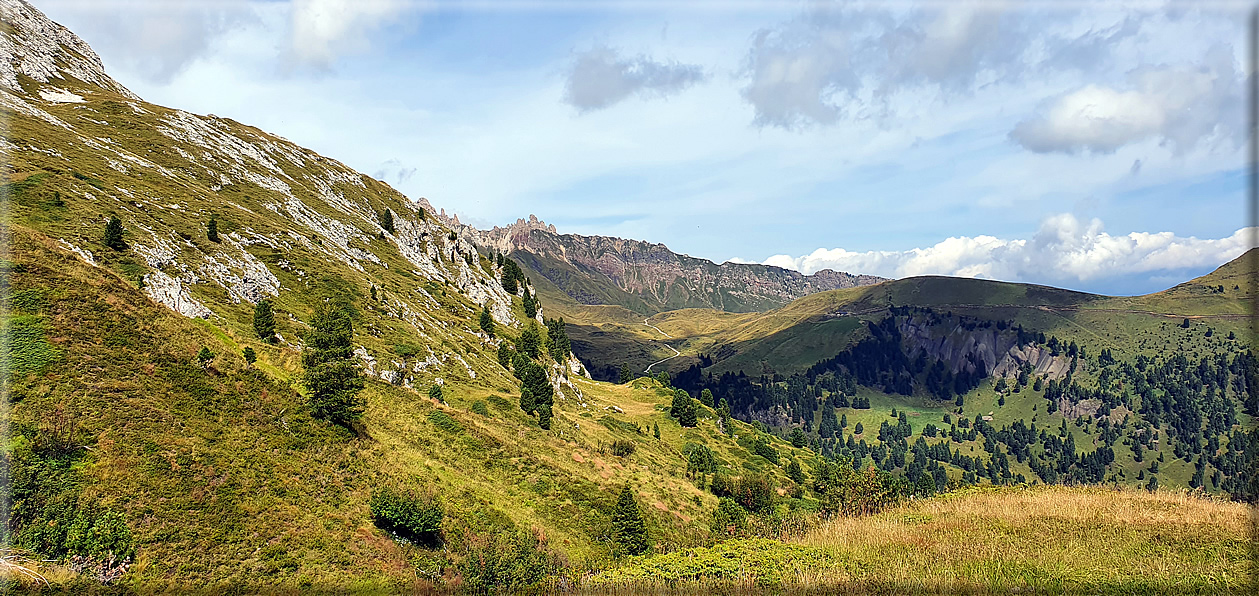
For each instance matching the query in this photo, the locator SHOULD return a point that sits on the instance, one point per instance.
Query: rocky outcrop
(646, 276)
(999, 350)
(39, 48)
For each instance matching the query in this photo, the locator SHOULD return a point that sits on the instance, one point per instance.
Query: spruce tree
(212, 230)
(629, 531)
(487, 321)
(331, 375)
(264, 321)
(526, 401)
(530, 340)
(544, 417)
(386, 220)
(625, 375)
(706, 397)
(113, 234)
(530, 303)
(655, 429)
(250, 355)
(504, 355)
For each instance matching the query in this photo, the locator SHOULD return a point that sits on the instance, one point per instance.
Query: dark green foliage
(795, 472)
(655, 430)
(504, 355)
(534, 380)
(699, 459)
(386, 220)
(762, 447)
(730, 520)
(113, 234)
(530, 304)
(212, 230)
(479, 407)
(250, 355)
(487, 321)
(683, 408)
(443, 421)
(409, 514)
(625, 375)
(204, 356)
(798, 439)
(435, 394)
(264, 321)
(629, 531)
(372, 290)
(722, 486)
(526, 401)
(512, 276)
(706, 397)
(530, 340)
(544, 417)
(557, 342)
(331, 375)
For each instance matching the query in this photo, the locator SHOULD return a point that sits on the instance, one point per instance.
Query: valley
(236, 365)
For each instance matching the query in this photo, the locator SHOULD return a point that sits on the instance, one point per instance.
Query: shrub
(212, 230)
(510, 562)
(409, 514)
(478, 407)
(761, 447)
(755, 492)
(699, 459)
(722, 486)
(250, 355)
(622, 448)
(435, 393)
(730, 520)
(443, 421)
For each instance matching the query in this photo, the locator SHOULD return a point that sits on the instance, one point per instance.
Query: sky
(1094, 146)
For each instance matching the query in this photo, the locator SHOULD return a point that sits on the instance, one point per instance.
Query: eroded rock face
(41, 49)
(167, 290)
(659, 277)
(998, 350)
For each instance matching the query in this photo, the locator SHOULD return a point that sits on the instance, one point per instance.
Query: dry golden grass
(1045, 539)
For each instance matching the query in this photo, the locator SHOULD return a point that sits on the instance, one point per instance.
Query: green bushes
(844, 491)
(699, 459)
(443, 421)
(629, 531)
(730, 520)
(754, 492)
(512, 562)
(409, 514)
(761, 447)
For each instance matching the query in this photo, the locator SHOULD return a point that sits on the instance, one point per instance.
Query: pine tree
(264, 321)
(857, 429)
(843, 420)
(529, 340)
(625, 374)
(331, 375)
(386, 220)
(504, 355)
(629, 531)
(212, 230)
(544, 417)
(526, 401)
(797, 438)
(530, 303)
(113, 234)
(250, 355)
(655, 429)
(373, 293)
(795, 472)
(684, 409)
(706, 397)
(487, 321)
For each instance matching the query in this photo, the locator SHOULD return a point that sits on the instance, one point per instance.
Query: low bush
(409, 514)
(623, 448)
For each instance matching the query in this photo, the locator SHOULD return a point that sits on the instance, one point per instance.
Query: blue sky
(1096, 147)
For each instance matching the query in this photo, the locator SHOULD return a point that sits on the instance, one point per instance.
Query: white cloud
(1181, 106)
(155, 40)
(600, 78)
(324, 29)
(1064, 249)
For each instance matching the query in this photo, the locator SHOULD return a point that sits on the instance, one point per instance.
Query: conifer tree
(386, 220)
(250, 355)
(526, 401)
(331, 375)
(797, 438)
(625, 375)
(544, 417)
(795, 472)
(113, 234)
(706, 397)
(487, 321)
(530, 340)
(212, 230)
(435, 393)
(530, 303)
(629, 531)
(655, 429)
(264, 321)
(504, 355)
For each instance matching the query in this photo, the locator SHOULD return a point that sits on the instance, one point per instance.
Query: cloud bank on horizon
(1064, 249)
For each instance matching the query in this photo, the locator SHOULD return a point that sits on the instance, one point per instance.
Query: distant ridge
(649, 278)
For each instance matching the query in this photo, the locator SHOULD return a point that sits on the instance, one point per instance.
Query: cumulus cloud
(1064, 249)
(1179, 106)
(155, 40)
(600, 78)
(324, 29)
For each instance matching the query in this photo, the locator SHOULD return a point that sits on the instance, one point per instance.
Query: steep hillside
(648, 278)
(144, 448)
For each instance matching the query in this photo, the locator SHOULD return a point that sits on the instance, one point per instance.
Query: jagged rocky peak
(35, 46)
